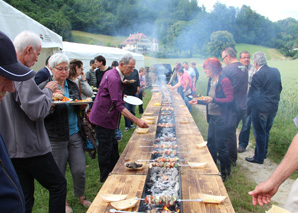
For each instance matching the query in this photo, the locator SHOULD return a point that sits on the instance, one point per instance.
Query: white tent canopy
(86, 52)
(13, 21)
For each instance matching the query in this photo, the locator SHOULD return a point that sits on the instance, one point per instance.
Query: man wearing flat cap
(21, 124)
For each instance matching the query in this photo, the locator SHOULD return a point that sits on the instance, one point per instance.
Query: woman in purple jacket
(220, 103)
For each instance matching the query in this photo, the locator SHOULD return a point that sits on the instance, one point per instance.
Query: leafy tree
(219, 41)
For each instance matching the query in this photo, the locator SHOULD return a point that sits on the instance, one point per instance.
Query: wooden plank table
(194, 181)
(118, 184)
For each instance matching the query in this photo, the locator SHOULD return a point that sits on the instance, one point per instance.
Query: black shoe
(241, 149)
(252, 160)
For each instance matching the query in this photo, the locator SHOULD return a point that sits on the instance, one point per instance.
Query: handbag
(88, 132)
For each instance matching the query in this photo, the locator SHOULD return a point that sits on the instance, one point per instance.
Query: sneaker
(241, 149)
(126, 129)
(132, 126)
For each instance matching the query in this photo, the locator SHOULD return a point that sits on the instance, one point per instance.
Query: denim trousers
(245, 131)
(72, 152)
(262, 123)
(107, 151)
(44, 169)
(132, 109)
(140, 96)
(217, 142)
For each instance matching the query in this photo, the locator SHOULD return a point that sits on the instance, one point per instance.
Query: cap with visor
(10, 67)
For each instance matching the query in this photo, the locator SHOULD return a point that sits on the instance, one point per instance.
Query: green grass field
(237, 185)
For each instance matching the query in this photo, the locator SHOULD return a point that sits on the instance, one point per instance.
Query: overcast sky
(273, 10)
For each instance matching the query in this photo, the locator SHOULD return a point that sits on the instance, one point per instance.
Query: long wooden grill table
(205, 180)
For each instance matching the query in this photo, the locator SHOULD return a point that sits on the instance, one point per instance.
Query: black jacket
(131, 89)
(226, 108)
(56, 122)
(264, 94)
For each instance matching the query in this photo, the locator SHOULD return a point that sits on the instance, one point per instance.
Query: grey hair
(126, 58)
(260, 58)
(231, 52)
(58, 58)
(26, 39)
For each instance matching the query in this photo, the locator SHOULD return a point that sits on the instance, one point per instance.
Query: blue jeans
(186, 100)
(132, 109)
(44, 169)
(245, 131)
(262, 123)
(217, 142)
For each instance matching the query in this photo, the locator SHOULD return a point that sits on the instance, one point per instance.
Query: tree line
(181, 26)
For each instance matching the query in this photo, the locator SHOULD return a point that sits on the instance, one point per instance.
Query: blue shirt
(72, 116)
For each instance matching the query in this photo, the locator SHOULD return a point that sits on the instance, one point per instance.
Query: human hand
(207, 99)
(263, 192)
(83, 77)
(141, 123)
(193, 102)
(52, 85)
(125, 81)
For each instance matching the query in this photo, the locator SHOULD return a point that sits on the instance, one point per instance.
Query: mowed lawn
(237, 185)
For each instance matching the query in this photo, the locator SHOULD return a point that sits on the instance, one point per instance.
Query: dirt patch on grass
(261, 172)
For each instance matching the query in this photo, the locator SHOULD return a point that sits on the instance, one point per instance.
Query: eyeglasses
(60, 69)
(224, 57)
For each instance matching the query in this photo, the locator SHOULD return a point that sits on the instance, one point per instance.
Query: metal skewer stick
(153, 160)
(179, 200)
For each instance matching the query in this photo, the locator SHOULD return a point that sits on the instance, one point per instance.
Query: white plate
(61, 102)
(80, 103)
(132, 100)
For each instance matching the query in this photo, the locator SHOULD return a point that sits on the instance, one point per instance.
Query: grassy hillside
(96, 39)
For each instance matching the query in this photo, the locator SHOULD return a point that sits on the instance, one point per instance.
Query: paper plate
(112, 197)
(202, 145)
(125, 204)
(277, 209)
(61, 102)
(142, 130)
(215, 199)
(132, 100)
(149, 118)
(195, 165)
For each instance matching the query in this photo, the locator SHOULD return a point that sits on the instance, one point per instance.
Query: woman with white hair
(63, 127)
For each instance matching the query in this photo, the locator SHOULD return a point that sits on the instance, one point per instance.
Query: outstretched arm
(264, 191)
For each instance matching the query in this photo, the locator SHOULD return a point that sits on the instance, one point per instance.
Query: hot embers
(163, 183)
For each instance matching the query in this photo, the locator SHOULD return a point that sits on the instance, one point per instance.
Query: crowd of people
(39, 138)
(42, 137)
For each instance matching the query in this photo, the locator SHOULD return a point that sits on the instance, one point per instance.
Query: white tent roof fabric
(86, 52)
(13, 21)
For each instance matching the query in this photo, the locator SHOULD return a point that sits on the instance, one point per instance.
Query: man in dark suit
(44, 73)
(263, 99)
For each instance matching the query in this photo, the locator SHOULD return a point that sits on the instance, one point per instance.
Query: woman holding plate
(63, 127)
(220, 103)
